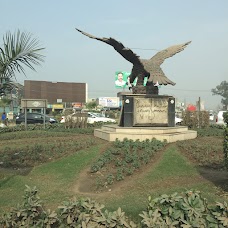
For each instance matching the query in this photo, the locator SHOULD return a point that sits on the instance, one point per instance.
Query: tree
(222, 90)
(91, 105)
(19, 50)
(6, 86)
(5, 102)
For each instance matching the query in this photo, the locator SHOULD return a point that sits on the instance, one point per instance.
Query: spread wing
(160, 57)
(127, 53)
(157, 75)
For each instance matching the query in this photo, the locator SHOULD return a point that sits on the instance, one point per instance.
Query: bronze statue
(144, 67)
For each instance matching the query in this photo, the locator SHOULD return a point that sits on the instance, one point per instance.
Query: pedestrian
(4, 119)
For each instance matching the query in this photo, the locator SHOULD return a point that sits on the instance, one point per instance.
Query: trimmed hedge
(50, 127)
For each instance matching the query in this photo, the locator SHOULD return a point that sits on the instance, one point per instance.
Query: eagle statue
(142, 68)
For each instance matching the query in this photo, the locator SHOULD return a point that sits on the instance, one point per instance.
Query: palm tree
(19, 50)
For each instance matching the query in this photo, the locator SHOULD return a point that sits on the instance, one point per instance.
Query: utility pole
(199, 108)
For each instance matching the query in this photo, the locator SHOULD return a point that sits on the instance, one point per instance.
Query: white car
(178, 120)
(219, 118)
(94, 117)
(211, 116)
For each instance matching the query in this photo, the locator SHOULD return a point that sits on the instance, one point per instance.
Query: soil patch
(218, 177)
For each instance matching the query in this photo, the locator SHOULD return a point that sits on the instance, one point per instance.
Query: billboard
(109, 102)
(122, 80)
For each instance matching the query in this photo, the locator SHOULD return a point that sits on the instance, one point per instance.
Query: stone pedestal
(146, 116)
(146, 110)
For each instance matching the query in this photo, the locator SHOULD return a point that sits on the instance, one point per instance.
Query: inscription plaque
(149, 111)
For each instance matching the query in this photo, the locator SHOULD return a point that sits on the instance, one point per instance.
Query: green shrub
(74, 213)
(204, 151)
(89, 213)
(49, 127)
(187, 209)
(29, 155)
(213, 130)
(30, 213)
(195, 119)
(123, 158)
(110, 179)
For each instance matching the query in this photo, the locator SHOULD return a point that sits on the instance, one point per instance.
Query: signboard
(103, 101)
(77, 105)
(150, 110)
(34, 103)
(122, 80)
(110, 102)
(57, 106)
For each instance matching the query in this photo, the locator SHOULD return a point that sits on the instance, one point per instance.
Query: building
(61, 94)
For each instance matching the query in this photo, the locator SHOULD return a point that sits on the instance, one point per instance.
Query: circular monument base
(170, 134)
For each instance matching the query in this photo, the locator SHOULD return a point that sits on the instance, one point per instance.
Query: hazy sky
(144, 24)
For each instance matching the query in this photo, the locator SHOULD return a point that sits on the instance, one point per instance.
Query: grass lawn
(53, 180)
(56, 180)
(173, 173)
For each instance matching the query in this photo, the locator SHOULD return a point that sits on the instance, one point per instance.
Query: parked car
(178, 120)
(97, 114)
(211, 116)
(94, 117)
(34, 117)
(219, 118)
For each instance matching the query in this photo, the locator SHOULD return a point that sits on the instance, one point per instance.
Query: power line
(68, 90)
(63, 91)
(146, 49)
(190, 90)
